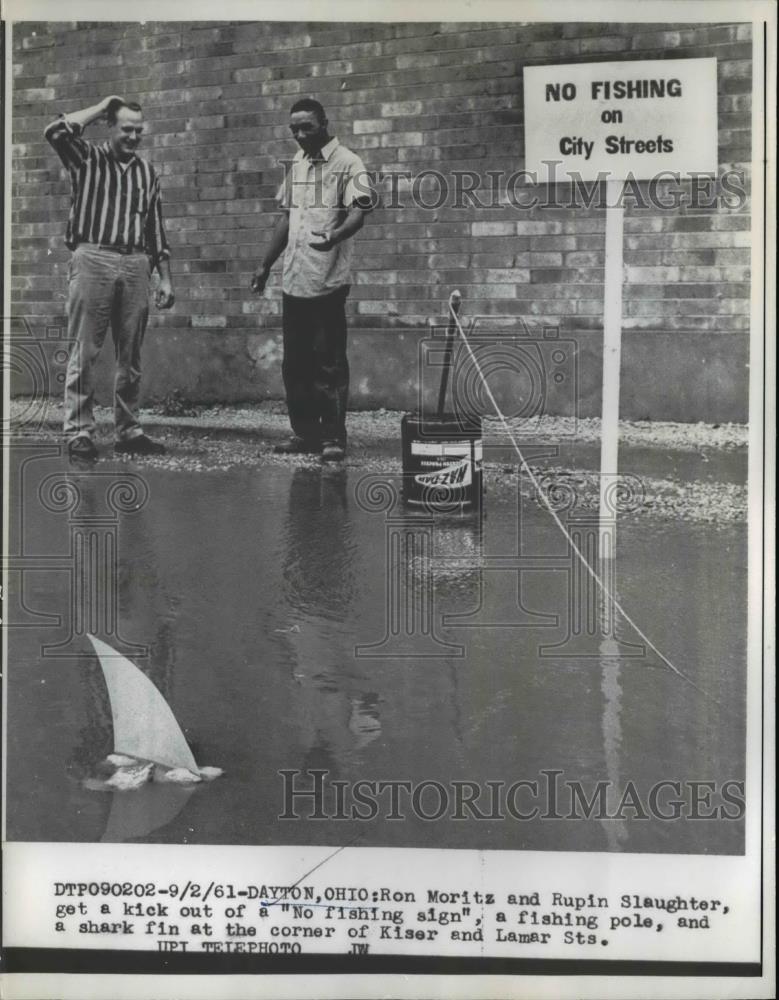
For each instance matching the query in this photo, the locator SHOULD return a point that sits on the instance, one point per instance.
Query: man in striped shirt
(117, 236)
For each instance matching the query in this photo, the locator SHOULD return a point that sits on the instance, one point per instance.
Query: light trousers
(105, 289)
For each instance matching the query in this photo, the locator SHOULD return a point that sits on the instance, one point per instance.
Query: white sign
(617, 120)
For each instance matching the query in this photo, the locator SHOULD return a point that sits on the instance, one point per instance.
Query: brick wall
(407, 97)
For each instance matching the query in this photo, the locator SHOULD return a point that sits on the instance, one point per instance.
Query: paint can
(442, 462)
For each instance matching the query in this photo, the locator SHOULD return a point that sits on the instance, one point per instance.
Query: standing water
(274, 608)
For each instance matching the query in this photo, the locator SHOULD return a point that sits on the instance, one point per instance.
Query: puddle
(243, 595)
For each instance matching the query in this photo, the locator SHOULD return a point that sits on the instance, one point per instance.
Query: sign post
(611, 123)
(612, 356)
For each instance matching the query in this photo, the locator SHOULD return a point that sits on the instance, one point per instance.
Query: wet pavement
(297, 618)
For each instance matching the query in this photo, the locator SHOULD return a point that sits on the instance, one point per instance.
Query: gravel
(243, 437)
(711, 502)
(377, 426)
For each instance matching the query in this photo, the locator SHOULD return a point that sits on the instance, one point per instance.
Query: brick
(371, 126)
(206, 122)
(37, 41)
(651, 274)
(493, 228)
(549, 275)
(562, 292)
(418, 60)
(218, 142)
(208, 321)
(394, 108)
(518, 275)
(252, 74)
(718, 274)
(33, 95)
(596, 46)
(656, 40)
(536, 52)
(548, 259)
(376, 277)
(538, 228)
(736, 69)
(583, 259)
(402, 139)
(373, 308)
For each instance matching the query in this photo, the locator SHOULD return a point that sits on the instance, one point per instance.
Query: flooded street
(296, 619)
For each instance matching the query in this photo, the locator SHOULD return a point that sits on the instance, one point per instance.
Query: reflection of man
(318, 562)
(116, 233)
(324, 199)
(331, 712)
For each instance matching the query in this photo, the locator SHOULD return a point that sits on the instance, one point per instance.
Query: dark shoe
(297, 446)
(139, 445)
(333, 452)
(82, 449)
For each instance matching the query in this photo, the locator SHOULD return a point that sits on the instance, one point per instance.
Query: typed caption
(369, 901)
(279, 919)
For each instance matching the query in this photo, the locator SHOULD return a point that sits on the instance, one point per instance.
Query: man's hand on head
(108, 101)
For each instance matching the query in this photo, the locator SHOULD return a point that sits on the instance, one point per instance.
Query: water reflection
(611, 726)
(118, 595)
(319, 545)
(364, 720)
(334, 717)
(141, 812)
(428, 557)
(457, 553)
(251, 587)
(500, 580)
(91, 507)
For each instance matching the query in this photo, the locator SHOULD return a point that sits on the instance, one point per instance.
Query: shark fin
(144, 725)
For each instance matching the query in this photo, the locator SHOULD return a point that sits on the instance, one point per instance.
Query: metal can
(442, 462)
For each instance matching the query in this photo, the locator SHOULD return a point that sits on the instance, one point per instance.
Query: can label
(446, 449)
(442, 462)
(452, 476)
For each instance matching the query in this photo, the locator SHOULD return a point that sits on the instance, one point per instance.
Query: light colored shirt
(318, 194)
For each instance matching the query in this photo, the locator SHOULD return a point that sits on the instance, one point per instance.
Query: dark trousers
(315, 369)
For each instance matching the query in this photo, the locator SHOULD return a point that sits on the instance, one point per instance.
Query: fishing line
(582, 558)
(330, 856)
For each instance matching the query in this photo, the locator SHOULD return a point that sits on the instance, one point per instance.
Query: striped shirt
(111, 203)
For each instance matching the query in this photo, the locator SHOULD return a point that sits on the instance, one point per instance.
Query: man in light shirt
(323, 199)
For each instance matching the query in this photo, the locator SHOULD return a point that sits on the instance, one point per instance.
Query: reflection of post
(615, 829)
(93, 502)
(410, 625)
(591, 617)
(582, 588)
(607, 568)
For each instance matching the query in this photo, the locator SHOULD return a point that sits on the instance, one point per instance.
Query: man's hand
(95, 113)
(260, 279)
(106, 102)
(164, 298)
(327, 237)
